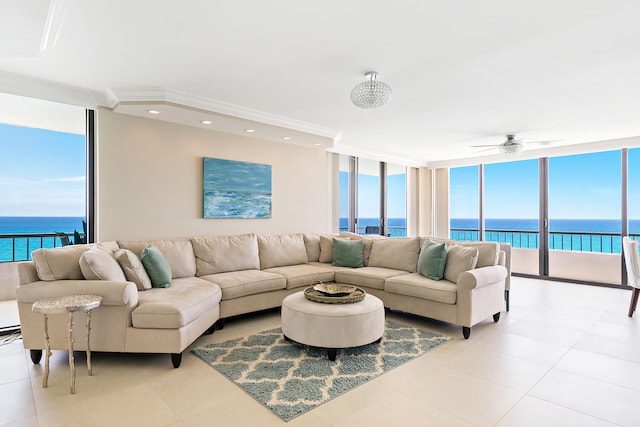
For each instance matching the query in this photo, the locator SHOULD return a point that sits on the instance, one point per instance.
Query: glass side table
(61, 305)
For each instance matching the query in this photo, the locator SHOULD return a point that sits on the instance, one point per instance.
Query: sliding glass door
(464, 208)
(585, 217)
(511, 206)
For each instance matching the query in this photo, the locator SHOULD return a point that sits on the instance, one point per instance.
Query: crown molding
(357, 151)
(15, 84)
(159, 94)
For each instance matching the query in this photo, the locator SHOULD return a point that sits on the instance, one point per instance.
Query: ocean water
(587, 235)
(32, 225)
(584, 235)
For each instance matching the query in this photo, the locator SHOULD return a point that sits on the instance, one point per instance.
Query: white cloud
(70, 179)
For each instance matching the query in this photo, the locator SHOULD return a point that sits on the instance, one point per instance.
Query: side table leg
(45, 378)
(72, 365)
(89, 342)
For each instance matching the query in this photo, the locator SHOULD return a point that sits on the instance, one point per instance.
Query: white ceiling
(463, 72)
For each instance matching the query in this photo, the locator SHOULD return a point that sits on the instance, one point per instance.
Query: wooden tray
(317, 296)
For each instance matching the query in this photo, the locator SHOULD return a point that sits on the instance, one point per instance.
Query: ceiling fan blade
(546, 142)
(486, 145)
(486, 149)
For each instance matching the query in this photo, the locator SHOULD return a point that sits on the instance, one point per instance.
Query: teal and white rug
(290, 378)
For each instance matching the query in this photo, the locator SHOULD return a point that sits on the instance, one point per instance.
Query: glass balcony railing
(18, 247)
(559, 240)
(392, 231)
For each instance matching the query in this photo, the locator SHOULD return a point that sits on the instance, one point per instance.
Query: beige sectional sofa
(216, 277)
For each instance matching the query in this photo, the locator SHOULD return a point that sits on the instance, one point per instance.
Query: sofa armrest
(27, 272)
(112, 293)
(480, 277)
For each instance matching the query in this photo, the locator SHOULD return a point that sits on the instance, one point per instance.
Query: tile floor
(565, 355)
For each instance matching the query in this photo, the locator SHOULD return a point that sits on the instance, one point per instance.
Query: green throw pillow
(432, 260)
(157, 267)
(348, 253)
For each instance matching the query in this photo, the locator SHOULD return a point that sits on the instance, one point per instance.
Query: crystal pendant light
(510, 149)
(371, 93)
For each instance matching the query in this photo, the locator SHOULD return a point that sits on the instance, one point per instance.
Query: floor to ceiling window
(43, 176)
(464, 211)
(373, 197)
(345, 195)
(396, 193)
(511, 208)
(562, 215)
(368, 203)
(585, 217)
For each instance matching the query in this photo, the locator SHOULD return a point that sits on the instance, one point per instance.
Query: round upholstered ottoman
(332, 326)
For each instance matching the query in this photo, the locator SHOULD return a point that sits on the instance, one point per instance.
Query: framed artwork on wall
(234, 189)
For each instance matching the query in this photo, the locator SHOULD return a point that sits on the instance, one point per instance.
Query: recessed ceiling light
(153, 111)
(317, 144)
(286, 138)
(206, 122)
(249, 130)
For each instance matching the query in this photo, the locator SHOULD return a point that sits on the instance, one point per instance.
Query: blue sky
(585, 186)
(369, 192)
(42, 172)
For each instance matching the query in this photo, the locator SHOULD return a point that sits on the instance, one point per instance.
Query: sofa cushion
(59, 263)
(432, 260)
(277, 250)
(171, 308)
(347, 253)
(303, 274)
(133, 269)
(156, 266)
(312, 245)
(372, 277)
(398, 254)
(99, 263)
(178, 252)
(459, 260)
(418, 286)
(487, 252)
(219, 254)
(236, 284)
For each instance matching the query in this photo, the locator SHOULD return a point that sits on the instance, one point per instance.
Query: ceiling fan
(512, 146)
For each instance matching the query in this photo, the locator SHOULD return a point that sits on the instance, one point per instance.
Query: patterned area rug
(290, 378)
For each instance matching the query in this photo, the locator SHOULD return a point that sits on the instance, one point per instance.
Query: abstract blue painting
(236, 189)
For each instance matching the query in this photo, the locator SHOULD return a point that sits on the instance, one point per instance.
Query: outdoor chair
(632, 261)
(372, 229)
(64, 238)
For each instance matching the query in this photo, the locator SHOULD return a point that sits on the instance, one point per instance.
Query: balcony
(18, 247)
(588, 256)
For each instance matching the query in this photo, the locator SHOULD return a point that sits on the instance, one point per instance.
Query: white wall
(149, 181)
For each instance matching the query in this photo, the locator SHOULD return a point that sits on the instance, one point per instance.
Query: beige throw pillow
(326, 248)
(487, 252)
(459, 259)
(133, 269)
(99, 263)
